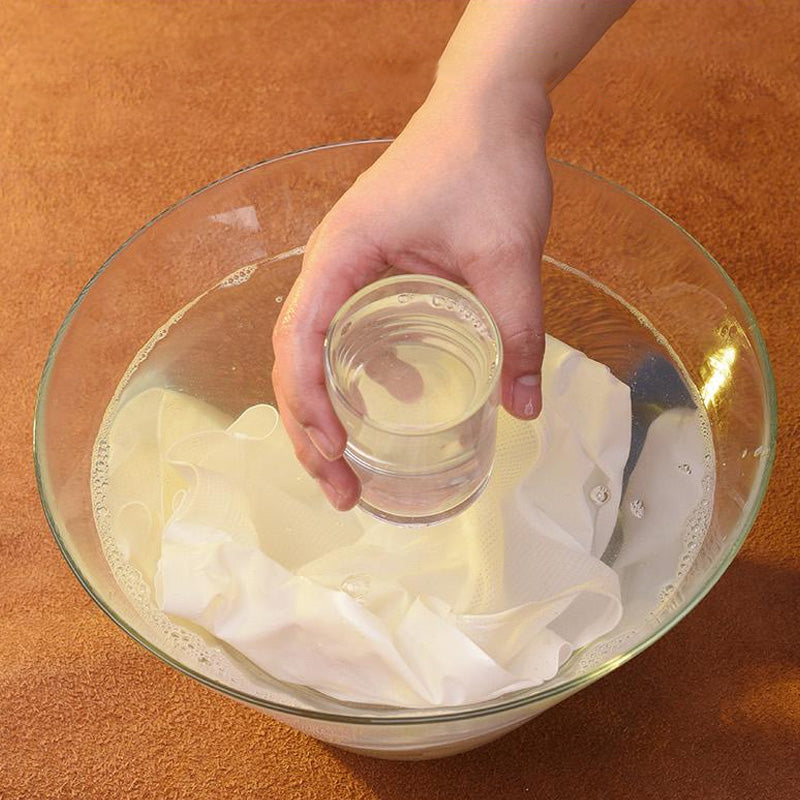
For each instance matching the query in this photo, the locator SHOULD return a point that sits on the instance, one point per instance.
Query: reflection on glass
(719, 366)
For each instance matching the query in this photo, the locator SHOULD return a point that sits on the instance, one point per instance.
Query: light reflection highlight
(719, 366)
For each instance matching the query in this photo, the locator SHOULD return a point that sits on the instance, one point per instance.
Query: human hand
(463, 193)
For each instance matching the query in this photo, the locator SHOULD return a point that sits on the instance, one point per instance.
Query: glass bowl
(610, 255)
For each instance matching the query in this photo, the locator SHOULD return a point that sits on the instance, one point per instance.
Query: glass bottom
(424, 521)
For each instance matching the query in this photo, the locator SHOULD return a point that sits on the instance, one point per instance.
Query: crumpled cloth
(235, 538)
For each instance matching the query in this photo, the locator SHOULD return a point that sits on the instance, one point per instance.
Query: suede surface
(110, 111)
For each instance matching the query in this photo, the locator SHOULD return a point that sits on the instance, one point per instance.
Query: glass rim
(403, 716)
(478, 402)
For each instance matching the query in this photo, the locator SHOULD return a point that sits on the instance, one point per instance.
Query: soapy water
(658, 385)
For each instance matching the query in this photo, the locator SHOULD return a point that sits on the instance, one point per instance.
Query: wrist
(515, 104)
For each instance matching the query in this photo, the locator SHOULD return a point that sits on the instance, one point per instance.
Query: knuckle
(305, 403)
(515, 249)
(298, 408)
(524, 343)
(306, 454)
(277, 385)
(280, 334)
(505, 254)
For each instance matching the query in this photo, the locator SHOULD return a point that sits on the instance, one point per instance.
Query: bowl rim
(370, 715)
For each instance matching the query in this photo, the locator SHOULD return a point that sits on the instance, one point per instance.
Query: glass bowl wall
(599, 229)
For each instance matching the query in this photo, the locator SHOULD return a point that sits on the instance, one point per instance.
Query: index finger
(332, 271)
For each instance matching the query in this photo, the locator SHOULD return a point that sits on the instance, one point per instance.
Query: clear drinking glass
(412, 364)
(631, 258)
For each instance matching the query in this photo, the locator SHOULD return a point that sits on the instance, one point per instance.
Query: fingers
(298, 343)
(512, 293)
(402, 380)
(332, 271)
(336, 479)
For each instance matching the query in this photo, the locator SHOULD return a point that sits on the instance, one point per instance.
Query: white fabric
(490, 602)
(668, 481)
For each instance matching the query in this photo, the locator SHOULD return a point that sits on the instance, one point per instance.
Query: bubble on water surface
(599, 494)
(637, 508)
(357, 586)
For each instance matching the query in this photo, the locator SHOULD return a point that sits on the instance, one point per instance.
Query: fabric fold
(237, 539)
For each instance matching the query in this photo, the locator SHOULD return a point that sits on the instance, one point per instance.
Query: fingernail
(322, 443)
(526, 396)
(333, 494)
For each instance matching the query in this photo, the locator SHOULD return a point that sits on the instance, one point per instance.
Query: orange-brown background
(112, 110)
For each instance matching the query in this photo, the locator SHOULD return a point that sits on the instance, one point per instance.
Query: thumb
(513, 295)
